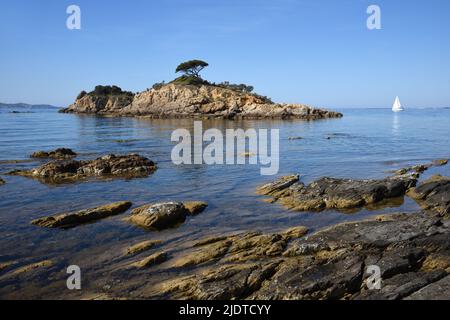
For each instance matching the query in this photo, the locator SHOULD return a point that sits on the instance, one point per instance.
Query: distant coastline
(27, 106)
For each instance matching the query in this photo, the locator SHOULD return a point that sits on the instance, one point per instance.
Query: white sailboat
(397, 107)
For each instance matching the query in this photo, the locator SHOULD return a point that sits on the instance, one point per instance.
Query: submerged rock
(187, 101)
(61, 153)
(333, 193)
(433, 194)
(159, 216)
(31, 267)
(2, 181)
(127, 166)
(142, 246)
(73, 219)
(154, 259)
(421, 167)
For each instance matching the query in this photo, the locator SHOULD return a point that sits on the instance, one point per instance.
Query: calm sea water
(365, 143)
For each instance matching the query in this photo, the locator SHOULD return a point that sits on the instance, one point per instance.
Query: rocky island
(189, 96)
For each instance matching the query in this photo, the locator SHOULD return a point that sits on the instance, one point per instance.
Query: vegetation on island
(191, 76)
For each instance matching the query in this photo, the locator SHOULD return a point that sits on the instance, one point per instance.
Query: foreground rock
(73, 219)
(61, 153)
(164, 215)
(433, 194)
(187, 101)
(2, 181)
(127, 166)
(410, 249)
(332, 193)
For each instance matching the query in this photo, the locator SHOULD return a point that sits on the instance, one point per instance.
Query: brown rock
(73, 219)
(433, 194)
(187, 101)
(142, 246)
(61, 153)
(195, 207)
(154, 259)
(159, 215)
(32, 267)
(128, 166)
(295, 232)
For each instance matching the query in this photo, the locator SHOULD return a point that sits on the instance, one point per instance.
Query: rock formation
(332, 193)
(127, 166)
(73, 219)
(165, 215)
(194, 101)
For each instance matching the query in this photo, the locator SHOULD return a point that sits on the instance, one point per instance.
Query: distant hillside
(26, 106)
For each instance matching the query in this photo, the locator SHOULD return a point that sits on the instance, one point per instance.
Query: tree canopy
(192, 67)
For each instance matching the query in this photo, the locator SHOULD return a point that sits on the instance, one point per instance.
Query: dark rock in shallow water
(73, 219)
(128, 166)
(61, 153)
(433, 194)
(421, 167)
(332, 193)
(2, 181)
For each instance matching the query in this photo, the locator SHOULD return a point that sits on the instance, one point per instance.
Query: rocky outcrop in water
(188, 101)
(61, 153)
(333, 193)
(164, 215)
(73, 219)
(433, 194)
(2, 181)
(126, 166)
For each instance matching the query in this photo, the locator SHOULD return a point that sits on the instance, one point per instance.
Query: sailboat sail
(397, 105)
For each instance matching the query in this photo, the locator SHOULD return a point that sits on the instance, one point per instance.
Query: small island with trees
(190, 96)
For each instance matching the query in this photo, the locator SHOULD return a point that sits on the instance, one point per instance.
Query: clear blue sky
(311, 51)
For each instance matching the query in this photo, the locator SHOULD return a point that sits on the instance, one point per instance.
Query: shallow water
(365, 143)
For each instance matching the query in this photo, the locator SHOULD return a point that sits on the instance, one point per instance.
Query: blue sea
(365, 143)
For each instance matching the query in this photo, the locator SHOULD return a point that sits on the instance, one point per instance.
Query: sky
(317, 52)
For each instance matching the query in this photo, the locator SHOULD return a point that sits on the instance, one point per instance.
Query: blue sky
(317, 52)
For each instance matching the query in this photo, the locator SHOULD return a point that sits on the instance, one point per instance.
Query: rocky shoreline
(193, 101)
(411, 249)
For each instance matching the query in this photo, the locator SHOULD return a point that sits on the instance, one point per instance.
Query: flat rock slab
(127, 166)
(433, 194)
(333, 193)
(159, 216)
(73, 219)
